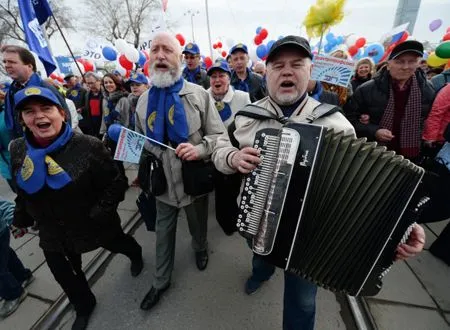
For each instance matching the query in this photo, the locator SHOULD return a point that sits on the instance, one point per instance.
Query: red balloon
(88, 66)
(128, 74)
(123, 61)
(208, 62)
(353, 50)
(224, 53)
(180, 39)
(263, 34)
(448, 30)
(54, 76)
(257, 40)
(147, 68)
(215, 46)
(360, 42)
(446, 37)
(60, 79)
(219, 45)
(404, 36)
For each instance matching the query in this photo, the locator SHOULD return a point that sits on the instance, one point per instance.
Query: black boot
(82, 319)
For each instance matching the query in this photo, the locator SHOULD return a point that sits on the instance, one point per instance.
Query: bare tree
(114, 19)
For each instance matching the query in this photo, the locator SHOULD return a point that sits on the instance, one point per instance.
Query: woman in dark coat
(364, 71)
(68, 183)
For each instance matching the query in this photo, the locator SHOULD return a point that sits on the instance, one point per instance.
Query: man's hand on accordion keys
(245, 160)
(413, 245)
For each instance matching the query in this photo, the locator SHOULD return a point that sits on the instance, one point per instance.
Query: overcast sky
(238, 20)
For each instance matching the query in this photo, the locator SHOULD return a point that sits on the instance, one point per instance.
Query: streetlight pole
(192, 14)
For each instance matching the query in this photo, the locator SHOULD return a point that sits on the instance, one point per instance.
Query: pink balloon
(436, 24)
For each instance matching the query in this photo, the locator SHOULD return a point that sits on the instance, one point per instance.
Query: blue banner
(42, 10)
(35, 36)
(64, 64)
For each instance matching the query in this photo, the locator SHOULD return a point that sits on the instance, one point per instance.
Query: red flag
(164, 4)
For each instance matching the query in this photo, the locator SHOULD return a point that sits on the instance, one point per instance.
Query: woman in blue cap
(68, 183)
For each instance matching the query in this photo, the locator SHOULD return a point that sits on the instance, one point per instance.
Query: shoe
(152, 297)
(251, 286)
(82, 320)
(201, 259)
(136, 266)
(28, 281)
(10, 306)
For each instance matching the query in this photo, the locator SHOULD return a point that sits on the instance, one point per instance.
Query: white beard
(165, 79)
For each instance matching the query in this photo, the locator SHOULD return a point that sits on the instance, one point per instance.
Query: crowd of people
(56, 153)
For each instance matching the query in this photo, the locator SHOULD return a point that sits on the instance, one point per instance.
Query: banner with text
(129, 146)
(332, 70)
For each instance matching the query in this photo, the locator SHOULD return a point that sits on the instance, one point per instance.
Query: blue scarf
(224, 110)
(111, 114)
(75, 94)
(39, 168)
(242, 85)
(10, 120)
(165, 115)
(191, 76)
(317, 92)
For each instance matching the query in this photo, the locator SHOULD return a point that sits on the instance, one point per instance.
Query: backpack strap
(322, 110)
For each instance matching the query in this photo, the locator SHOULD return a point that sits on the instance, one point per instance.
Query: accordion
(328, 207)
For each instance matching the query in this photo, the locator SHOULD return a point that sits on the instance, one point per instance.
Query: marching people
(68, 183)
(242, 79)
(365, 68)
(227, 102)
(318, 93)
(91, 113)
(343, 93)
(193, 71)
(260, 68)
(138, 83)
(75, 91)
(182, 115)
(392, 107)
(20, 66)
(288, 74)
(5, 139)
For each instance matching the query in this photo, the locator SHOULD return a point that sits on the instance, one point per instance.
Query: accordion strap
(322, 110)
(260, 113)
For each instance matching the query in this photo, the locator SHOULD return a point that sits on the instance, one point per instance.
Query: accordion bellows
(328, 207)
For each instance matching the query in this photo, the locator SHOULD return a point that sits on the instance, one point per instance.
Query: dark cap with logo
(290, 41)
(192, 49)
(408, 46)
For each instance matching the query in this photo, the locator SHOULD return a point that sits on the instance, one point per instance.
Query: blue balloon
(327, 48)
(329, 36)
(374, 51)
(109, 53)
(332, 43)
(270, 44)
(261, 51)
(339, 40)
(258, 29)
(114, 132)
(358, 55)
(142, 59)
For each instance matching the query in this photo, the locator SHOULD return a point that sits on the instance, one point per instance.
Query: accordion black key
(328, 207)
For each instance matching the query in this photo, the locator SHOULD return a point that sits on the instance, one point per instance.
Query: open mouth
(218, 85)
(287, 84)
(43, 125)
(161, 66)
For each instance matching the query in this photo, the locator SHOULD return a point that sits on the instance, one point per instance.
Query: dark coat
(257, 87)
(329, 97)
(86, 124)
(82, 215)
(356, 82)
(202, 79)
(372, 98)
(77, 95)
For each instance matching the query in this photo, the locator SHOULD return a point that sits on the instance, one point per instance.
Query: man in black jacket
(193, 71)
(242, 78)
(392, 107)
(92, 106)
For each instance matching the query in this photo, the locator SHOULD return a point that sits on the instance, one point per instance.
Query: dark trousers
(227, 189)
(441, 246)
(12, 271)
(67, 270)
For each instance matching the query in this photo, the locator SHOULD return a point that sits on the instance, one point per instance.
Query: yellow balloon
(434, 61)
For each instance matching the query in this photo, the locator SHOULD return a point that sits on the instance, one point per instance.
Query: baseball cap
(192, 49)
(67, 77)
(138, 78)
(219, 65)
(240, 47)
(293, 41)
(409, 46)
(34, 92)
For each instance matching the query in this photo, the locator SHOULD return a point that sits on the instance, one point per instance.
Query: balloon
(443, 50)
(147, 56)
(257, 40)
(180, 39)
(147, 68)
(339, 40)
(360, 42)
(88, 65)
(121, 45)
(215, 46)
(374, 51)
(252, 54)
(327, 48)
(74, 68)
(353, 50)
(132, 54)
(258, 30)
(448, 30)
(263, 34)
(358, 55)
(434, 61)
(329, 36)
(404, 37)
(60, 78)
(142, 58)
(114, 131)
(121, 70)
(219, 45)
(261, 51)
(446, 37)
(109, 53)
(270, 44)
(224, 53)
(125, 63)
(351, 40)
(208, 62)
(128, 74)
(436, 24)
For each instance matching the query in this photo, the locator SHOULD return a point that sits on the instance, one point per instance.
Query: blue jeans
(12, 271)
(299, 304)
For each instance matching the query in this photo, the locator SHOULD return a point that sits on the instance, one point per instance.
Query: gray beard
(165, 79)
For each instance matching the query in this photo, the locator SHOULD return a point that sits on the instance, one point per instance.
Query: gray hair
(91, 74)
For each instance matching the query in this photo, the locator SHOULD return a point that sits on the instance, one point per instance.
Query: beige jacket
(246, 129)
(205, 126)
(237, 101)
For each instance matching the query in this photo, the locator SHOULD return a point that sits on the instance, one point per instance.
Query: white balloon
(121, 45)
(351, 40)
(121, 69)
(74, 68)
(132, 54)
(252, 54)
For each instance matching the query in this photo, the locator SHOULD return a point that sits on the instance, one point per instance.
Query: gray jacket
(205, 126)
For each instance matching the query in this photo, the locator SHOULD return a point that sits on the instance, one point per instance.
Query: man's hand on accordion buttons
(187, 151)
(413, 245)
(245, 160)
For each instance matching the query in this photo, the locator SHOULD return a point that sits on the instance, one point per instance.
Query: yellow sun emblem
(171, 111)
(151, 120)
(220, 106)
(27, 168)
(32, 91)
(74, 93)
(52, 167)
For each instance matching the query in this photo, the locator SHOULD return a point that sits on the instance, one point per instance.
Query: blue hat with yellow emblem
(219, 66)
(241, 47)
(192, 49)
(138, 78)
(34, 92)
